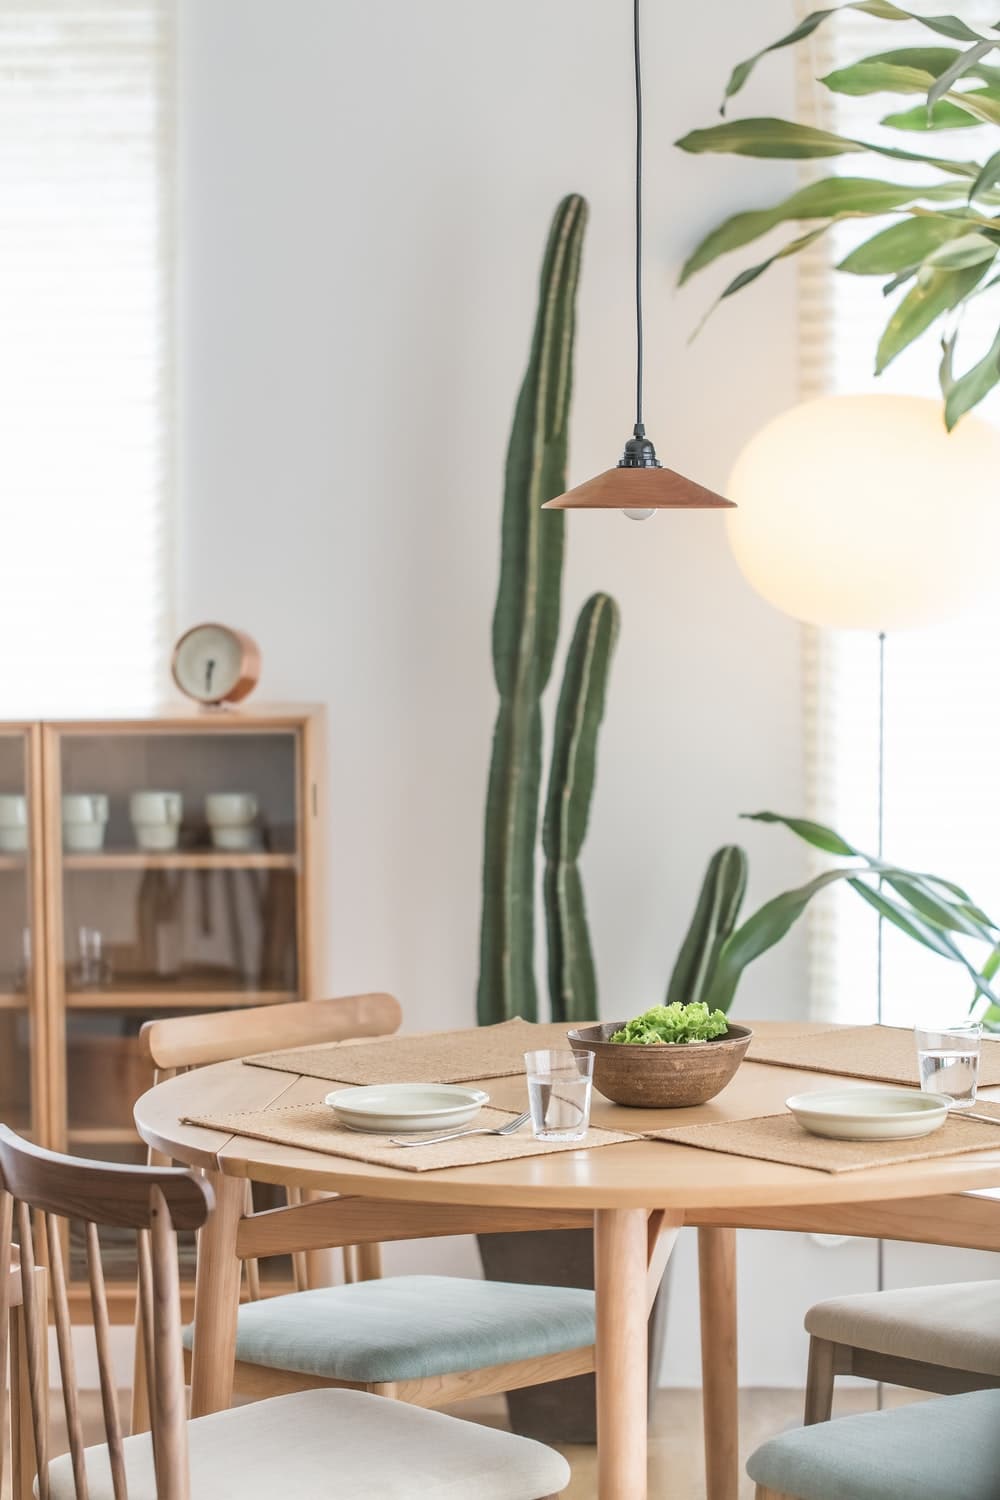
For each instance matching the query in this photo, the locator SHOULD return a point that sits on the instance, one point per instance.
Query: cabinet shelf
(13, 1000)
(13, 861)
(180, 859)
(174, 998)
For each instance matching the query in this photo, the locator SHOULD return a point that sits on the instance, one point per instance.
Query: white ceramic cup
(156, 818)
(13, 823)
(231, 818)
(85, 821)
(230, 809)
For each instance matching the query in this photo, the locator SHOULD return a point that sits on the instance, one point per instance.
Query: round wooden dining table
(637, 1195)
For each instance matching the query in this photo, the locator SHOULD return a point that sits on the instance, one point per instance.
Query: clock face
(215, 664)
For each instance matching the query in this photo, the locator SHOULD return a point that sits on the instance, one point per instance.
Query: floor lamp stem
(880, 1244)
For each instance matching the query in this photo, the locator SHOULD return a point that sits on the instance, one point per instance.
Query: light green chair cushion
(406, 1327)
(956, 1325)
(946, 1449)
(335, 1445)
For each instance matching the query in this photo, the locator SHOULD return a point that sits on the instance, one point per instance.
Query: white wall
(366, 187)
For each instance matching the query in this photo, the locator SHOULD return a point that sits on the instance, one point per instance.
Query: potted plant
(940, 253)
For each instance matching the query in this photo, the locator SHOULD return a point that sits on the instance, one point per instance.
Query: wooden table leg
(217, 1298)
(620, 1245)
(719, 1377)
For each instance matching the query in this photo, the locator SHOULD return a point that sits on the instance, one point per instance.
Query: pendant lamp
(639, 484)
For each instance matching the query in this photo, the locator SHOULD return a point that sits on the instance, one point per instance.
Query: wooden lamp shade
(639, 489)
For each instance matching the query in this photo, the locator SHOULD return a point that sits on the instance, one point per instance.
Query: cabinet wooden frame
(48, 998)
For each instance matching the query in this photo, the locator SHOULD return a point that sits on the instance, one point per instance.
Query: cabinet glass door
(179, 859)
(21, 1101)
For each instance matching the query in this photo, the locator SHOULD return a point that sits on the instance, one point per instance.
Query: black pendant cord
(638, 219)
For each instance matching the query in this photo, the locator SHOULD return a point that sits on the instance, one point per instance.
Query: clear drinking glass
(93, 969)
(559, 1088)
(948, 1060)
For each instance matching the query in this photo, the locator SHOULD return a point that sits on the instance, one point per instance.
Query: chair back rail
(39, 1191)
(179, 1042)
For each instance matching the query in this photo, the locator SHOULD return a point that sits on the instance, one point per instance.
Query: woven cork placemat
(782, 1139)
(881, 1054)
(316, 1128)
(429, 1057)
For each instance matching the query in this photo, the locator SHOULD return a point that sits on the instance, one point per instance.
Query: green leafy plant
(941, 252)
(933, 912)
(525, 632)
(671, 1025)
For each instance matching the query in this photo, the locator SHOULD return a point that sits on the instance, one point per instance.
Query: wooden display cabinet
(93, 942)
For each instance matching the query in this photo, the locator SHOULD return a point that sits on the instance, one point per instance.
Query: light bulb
(637, 515)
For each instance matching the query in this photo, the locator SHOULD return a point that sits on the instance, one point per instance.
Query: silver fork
(457, 1135)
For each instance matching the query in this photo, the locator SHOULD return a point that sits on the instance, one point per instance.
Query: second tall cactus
(525, 630)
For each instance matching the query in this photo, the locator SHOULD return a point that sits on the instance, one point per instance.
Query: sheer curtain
(85, 352)
(942, 810)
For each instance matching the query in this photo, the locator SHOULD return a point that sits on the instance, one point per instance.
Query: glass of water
(949, 1061)
(559, 1087)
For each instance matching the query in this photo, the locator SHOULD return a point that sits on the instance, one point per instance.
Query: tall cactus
(714, 919)
(525, 629)
(572, 981)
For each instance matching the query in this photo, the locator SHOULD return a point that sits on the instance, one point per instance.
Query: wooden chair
(430, 1341)
(338, 1445)
(941, 1339)
(947, 1449)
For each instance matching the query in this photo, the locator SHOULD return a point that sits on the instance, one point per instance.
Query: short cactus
(714, 919)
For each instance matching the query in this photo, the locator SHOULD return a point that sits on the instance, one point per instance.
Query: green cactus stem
(525, 630)
(714, 919)
(572, 980)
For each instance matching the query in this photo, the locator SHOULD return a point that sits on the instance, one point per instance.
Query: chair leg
(819, 1381)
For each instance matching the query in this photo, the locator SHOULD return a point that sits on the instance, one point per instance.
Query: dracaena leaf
(942, 901)
(784, 140)
(751, 273)
(964, 63)
(981, 104)
(966, 250)
(942, 116)
(952, 27)
(934, 294)
(988, 176)
(875, 76)
(964, 392)
(901, 247)
(818, 200)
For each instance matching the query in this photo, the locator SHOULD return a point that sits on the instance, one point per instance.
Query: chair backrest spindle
(105, 1369)
(36, 1333)
(64, 1345)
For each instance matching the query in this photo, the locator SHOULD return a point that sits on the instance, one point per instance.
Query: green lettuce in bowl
(669, 1024)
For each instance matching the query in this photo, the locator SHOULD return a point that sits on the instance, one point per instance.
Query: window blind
(85, 352)
(942, 715)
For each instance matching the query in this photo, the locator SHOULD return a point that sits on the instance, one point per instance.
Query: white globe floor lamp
(863, 513)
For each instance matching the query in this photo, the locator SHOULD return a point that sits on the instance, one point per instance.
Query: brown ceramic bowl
(673, 1076)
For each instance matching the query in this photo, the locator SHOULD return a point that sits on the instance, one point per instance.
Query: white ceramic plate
(381, 1108)
(876, 1114)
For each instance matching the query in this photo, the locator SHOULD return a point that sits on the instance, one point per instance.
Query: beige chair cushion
(336, 1445)
(957, 1326)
